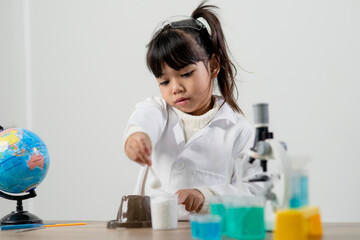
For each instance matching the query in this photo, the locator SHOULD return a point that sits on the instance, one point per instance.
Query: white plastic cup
(164, 211)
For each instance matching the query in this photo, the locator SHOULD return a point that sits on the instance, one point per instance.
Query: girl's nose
(177, 87)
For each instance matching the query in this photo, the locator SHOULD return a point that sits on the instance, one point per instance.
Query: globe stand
(19, 216)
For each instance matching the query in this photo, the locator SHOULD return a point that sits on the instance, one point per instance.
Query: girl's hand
(191, 198)
(138, 148)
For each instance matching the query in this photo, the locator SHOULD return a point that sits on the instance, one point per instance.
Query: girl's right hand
(138, 148)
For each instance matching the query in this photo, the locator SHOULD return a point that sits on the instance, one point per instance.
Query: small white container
(164, 209)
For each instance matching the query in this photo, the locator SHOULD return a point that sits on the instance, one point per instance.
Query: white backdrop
(73, 70)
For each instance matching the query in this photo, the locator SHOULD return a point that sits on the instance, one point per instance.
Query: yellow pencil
(65, 224)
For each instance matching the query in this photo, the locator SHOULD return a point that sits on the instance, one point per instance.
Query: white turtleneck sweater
(192, 124)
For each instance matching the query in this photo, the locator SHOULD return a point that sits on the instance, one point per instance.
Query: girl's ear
(214, 66)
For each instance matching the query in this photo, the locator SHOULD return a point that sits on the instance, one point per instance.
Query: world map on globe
(24, 160)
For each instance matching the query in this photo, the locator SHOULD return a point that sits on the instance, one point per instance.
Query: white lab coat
(211, 157)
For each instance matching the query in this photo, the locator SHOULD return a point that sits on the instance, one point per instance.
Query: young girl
(190, 137)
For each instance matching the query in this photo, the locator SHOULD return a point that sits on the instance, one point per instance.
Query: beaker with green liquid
(217, 207)
(245, 217)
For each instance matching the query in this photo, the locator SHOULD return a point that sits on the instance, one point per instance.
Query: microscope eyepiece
(261, 114)
(261, 121)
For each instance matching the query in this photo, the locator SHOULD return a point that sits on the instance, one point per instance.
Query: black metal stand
(20, 216)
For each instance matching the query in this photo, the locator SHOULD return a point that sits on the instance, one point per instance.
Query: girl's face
(188, 89)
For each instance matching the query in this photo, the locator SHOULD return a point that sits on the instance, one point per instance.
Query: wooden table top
(98, 231)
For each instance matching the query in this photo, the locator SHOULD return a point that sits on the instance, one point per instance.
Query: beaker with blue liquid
(298, 177)
(205, 226)
(298, 189)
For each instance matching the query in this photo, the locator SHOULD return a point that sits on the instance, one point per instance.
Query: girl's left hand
(191, 198)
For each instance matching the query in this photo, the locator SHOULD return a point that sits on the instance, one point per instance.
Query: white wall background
(87, 70)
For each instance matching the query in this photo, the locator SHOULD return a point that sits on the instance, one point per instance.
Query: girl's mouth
(182, 101)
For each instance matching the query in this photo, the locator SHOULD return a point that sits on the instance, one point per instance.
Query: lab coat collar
(177, 127)
(224, 112)
(179, 134)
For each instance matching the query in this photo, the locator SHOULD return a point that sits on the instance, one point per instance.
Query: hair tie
(205, 23)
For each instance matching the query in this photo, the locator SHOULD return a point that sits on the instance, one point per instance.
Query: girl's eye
(188, 74)
(164, 83)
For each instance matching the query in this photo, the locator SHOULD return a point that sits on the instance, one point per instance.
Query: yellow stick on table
(65, 224)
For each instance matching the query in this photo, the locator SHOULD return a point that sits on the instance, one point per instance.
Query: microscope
(286, 209)
(275, 165)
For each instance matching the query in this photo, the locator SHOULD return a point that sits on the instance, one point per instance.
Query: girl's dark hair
(179, 47)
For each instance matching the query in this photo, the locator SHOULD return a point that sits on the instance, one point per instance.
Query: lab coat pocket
(204, 178)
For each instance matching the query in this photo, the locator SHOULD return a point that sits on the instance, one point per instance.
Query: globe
(24, 160)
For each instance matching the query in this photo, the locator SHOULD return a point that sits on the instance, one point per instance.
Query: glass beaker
(298, 177)
(245, 217)
(205, 226)
(298, 189)
(217, 207)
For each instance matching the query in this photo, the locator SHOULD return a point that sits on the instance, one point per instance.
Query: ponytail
(226, 75)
